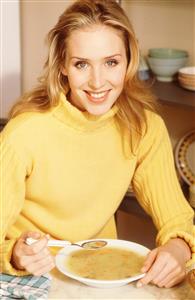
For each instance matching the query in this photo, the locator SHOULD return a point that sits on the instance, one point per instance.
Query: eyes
(112, 63)
(82, 65)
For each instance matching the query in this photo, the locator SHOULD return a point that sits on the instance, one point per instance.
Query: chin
(98, 110)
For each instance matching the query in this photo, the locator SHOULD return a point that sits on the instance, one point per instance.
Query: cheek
(76, 79)
(118, 78)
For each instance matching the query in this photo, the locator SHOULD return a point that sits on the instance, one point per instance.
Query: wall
(160, 23)
(10, 74)
(193, 32)
(37, 18)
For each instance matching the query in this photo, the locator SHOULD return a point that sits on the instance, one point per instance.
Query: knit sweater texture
(65, 172)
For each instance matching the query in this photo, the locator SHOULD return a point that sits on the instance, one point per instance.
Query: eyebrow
(107, 57)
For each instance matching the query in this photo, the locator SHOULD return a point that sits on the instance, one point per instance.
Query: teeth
(98, 95)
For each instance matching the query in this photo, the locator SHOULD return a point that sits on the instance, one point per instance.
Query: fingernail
(139, 284)
(47, 236)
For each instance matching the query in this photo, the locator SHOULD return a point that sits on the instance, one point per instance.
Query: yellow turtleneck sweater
(64, 172)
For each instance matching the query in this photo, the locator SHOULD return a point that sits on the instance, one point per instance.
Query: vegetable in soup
(108, 263)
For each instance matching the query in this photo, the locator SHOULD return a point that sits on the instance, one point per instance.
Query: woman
(75, 143)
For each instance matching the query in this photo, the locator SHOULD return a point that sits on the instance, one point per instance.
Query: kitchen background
(158, 23)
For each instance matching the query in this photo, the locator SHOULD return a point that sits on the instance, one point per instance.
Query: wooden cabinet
(134, 224)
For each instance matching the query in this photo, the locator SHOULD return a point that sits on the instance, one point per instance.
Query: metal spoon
(91, 245)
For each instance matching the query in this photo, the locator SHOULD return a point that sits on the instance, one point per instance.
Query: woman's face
(95, 65)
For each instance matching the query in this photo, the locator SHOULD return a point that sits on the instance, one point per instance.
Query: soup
(108, 263)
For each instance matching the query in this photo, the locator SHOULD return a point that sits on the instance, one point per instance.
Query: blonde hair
(135, 97)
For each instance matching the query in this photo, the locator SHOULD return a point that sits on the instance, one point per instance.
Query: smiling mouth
(97, 97)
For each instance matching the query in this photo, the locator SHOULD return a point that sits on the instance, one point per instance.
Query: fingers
(44, 270)
(35, 258)
(159, 264)
(32, 234)
(166, 271)
(165, 266)
(147, 264)
(40, 264)
(25, 260)
(172, 278)
(23, 249)
(37, 246)
(149, 260)
(171, 267)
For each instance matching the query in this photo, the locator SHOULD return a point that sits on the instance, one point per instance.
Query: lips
(97, 97)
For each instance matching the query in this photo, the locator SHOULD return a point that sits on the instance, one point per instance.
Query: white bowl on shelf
(188, 71)
(186, 78)
(165, 69)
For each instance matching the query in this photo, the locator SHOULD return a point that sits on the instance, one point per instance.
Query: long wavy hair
(135, 97)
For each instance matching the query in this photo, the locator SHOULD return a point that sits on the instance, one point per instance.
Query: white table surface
(65, 288)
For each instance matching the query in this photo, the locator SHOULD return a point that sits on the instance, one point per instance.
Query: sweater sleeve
(158, 190)
(12, 181)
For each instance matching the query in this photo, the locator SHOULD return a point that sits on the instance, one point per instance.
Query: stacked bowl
(186, 77)
(165, 62)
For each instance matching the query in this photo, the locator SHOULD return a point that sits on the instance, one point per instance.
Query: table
(66, 288)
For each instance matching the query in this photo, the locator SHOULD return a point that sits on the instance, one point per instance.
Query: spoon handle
(52, 243)
(139, 276)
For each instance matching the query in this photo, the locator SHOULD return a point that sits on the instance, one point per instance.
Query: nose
(97, 78)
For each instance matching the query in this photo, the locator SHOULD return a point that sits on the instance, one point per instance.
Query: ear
(63, 70)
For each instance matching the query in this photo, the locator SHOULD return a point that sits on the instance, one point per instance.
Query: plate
(185, 158)
(64, 253)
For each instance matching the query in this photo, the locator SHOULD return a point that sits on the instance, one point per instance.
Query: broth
(108, 263)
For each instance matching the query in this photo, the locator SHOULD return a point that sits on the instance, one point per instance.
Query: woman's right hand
(36, 258)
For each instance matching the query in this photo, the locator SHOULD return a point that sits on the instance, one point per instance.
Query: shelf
(171, 93)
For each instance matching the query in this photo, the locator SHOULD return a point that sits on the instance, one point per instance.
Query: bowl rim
(185, 71)
(172, 59)
(167, 53)
(167, 48)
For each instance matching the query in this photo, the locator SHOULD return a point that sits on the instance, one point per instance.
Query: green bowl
(167, 53)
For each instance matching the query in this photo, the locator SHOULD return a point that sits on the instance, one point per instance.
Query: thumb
(149, 260)
(32, 234)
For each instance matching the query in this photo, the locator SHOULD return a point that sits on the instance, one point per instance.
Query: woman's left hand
(165, 266)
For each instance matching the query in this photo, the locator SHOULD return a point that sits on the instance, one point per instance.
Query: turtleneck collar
(80, 120)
